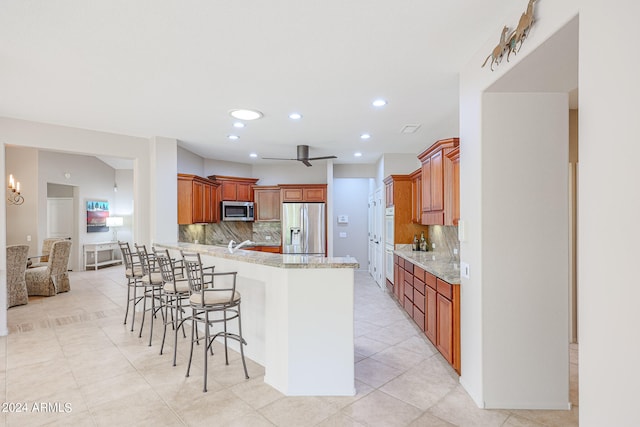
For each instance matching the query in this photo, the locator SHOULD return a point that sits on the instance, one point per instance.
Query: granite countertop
(265, 258)
(440, 265)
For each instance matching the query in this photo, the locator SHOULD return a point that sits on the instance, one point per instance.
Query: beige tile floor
(73, 350)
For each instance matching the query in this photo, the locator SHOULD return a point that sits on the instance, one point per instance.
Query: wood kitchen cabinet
(453, 215)
(233, 188)
(303, 192)
(433, 304)
(437, 183)
(416, 196)
(399, 195)
(267, 203)
(197, 202)
(272, 249)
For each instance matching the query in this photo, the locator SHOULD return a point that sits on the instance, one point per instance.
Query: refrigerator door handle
(304, 212)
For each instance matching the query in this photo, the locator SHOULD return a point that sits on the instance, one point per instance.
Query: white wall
(350, 197)
(290, 172)
(609, 208)
(479, 376)
(219, 167)
(79, 141)
(123, 203)
(525, 251)
(189, 163)
(22, 163)
(94, 181)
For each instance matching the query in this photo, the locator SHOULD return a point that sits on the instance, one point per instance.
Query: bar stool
(133, 272)
(209, 297)
(152, 283)
(175, 292)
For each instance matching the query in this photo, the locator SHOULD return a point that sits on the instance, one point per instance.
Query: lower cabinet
(272, 249)
(433, 304)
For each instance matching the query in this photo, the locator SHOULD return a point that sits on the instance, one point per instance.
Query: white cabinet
(99, 254)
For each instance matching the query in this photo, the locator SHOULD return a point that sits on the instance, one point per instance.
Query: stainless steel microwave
(237, 211)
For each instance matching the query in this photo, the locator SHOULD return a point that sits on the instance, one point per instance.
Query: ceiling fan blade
(322, 158)
(276, 158)
(305, 161)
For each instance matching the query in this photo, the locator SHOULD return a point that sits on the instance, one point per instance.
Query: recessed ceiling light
(295, 116)
(254, 155)
(358, 154)
(238, 125)
(242, 114)
(379, 103)
(365, 136)
(233, 137)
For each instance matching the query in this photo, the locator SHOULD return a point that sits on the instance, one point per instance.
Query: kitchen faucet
(238, 246)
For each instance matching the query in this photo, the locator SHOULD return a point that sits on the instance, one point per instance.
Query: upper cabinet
(398, 193)
(303, 192)
(437, 190)
(267, 203)
(416, 196)
(454, 216)
(234, 188)
(197, 200)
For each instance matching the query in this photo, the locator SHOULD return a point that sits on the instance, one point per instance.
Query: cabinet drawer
(418, 317)
(389, 286)
(418, 285)
(445, 289)
(430, 280)
(408, 306)
(408, 290)
(408, 266)
(418, 273)
(419, 301)
(432, 218)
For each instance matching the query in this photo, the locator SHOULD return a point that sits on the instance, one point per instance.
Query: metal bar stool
(152, 283)
(133, 272)
(175, 292)
(212, 293)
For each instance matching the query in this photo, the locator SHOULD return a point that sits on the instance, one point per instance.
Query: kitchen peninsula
(297, 316)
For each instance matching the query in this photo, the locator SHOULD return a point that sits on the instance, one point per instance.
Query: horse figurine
(498, 51)
(522, 30)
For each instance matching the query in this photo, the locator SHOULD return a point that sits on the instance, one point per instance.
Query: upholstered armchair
(16, 266)
(42, 259)
(52, 278)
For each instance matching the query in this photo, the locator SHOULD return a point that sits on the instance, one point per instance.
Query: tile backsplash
(446, 239)
(220, 233)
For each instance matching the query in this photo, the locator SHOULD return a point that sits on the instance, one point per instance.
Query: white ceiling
(175, 69)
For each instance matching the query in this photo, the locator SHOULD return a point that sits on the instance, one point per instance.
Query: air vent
(409, 128)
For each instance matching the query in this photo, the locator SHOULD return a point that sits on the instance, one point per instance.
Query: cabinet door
(267, 205)
(229, 191)
(416, 199)
(243, 192)
(444, 336)
(426, 185)
(437, 182)
(314, 194)
(388, 195)
(208, 198)
(430, 313)
(198, 205)
(292, 195)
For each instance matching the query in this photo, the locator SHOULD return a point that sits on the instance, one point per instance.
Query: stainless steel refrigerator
(303, 228)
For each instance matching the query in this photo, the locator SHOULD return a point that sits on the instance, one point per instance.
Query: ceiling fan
(303, 156)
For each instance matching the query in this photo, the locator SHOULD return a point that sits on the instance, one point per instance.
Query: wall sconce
(14, 197)
(115, 222)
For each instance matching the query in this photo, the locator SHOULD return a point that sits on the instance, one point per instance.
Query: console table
(95, 249)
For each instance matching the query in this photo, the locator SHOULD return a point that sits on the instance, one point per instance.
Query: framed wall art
(97, 213)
